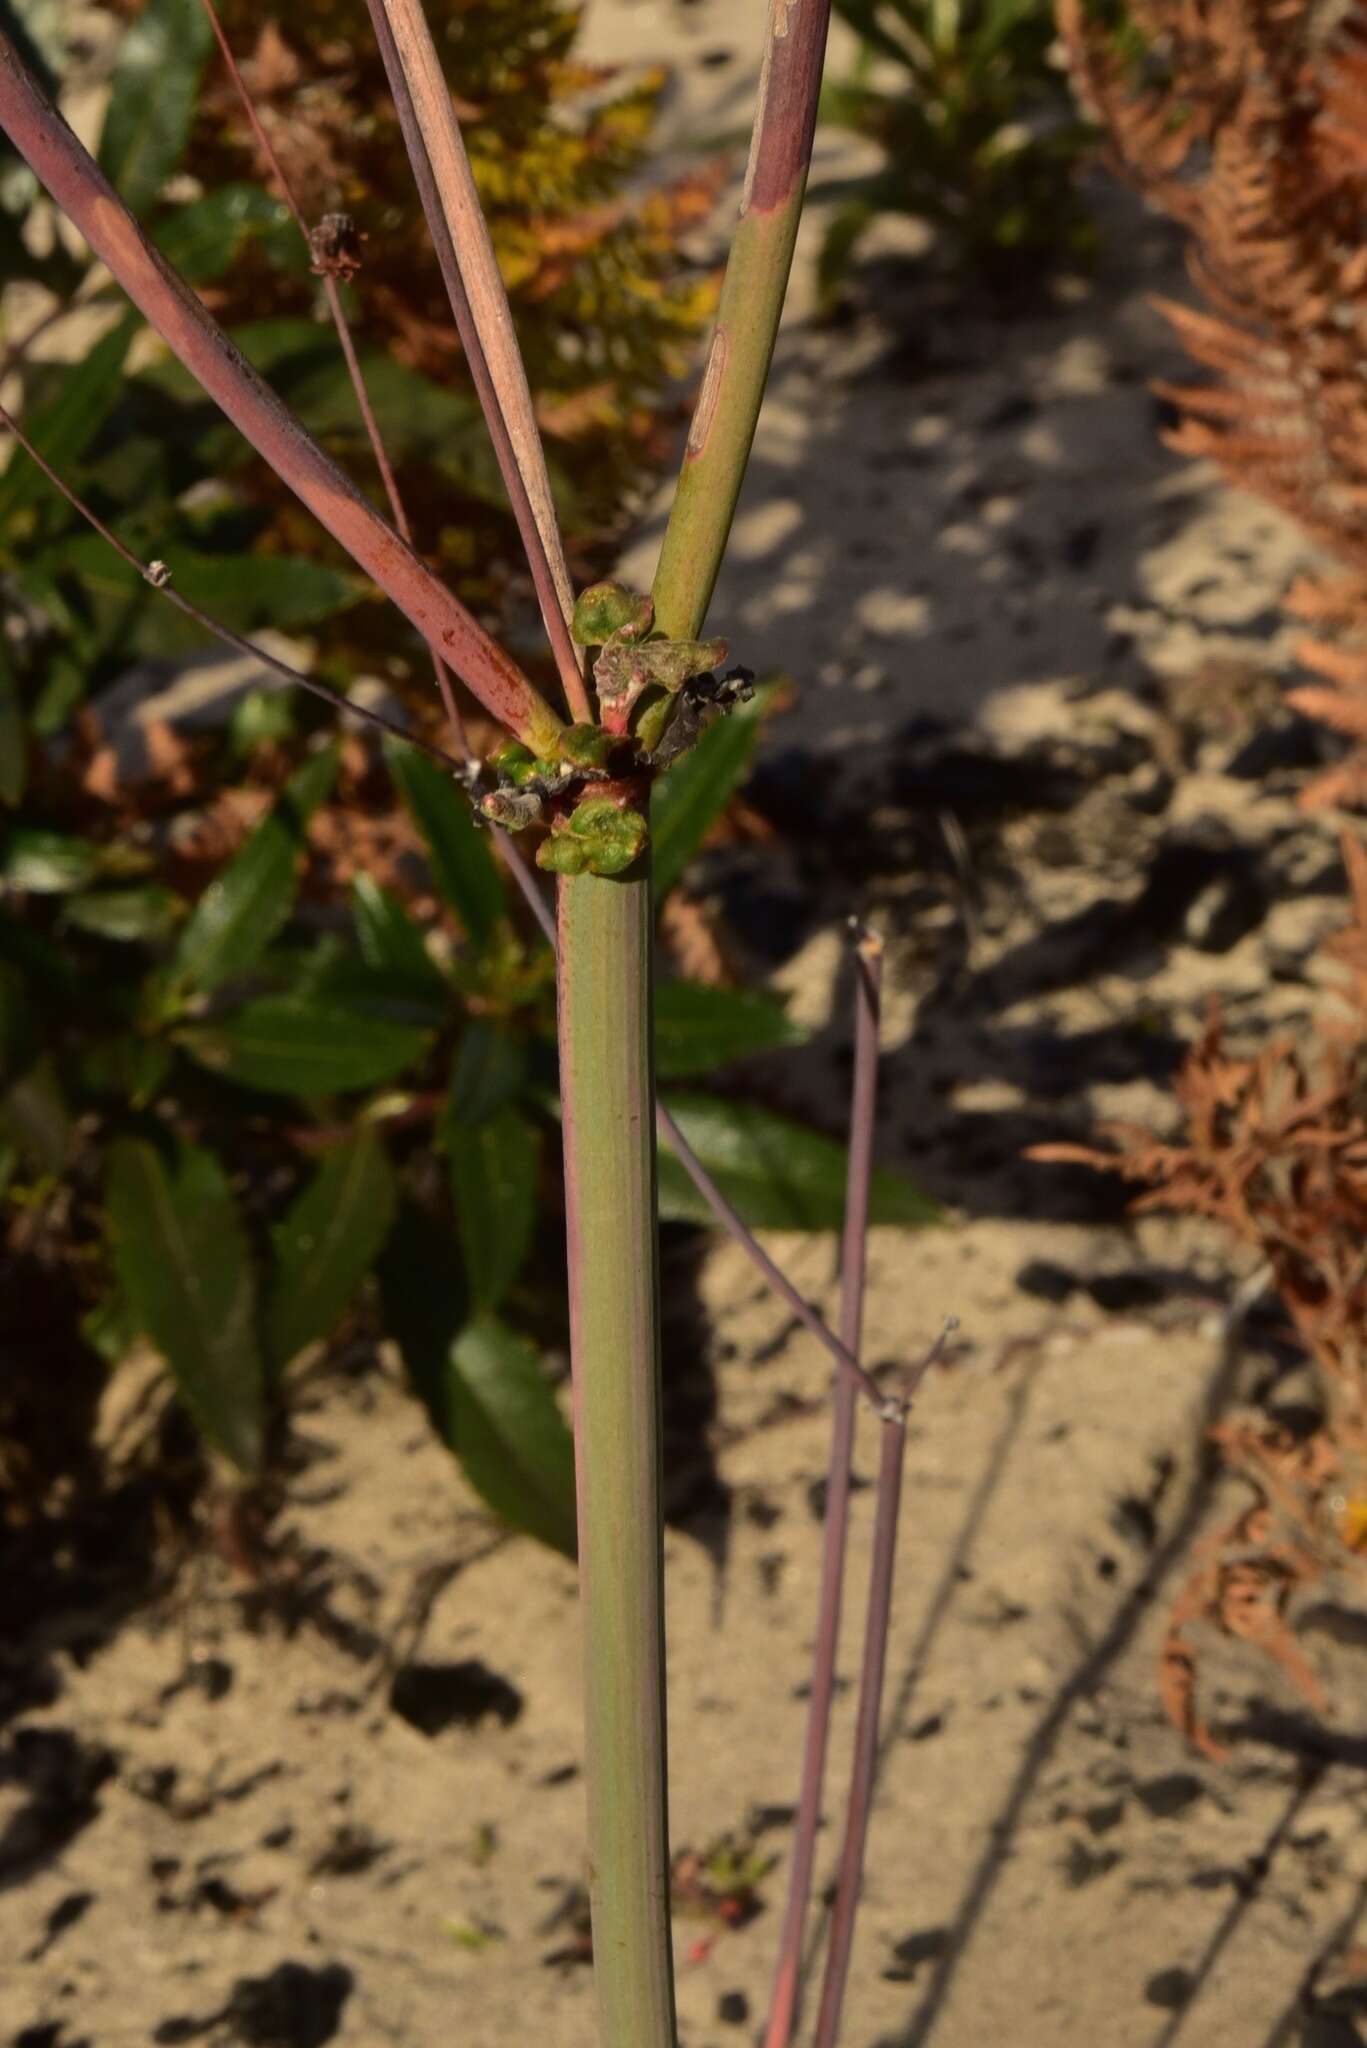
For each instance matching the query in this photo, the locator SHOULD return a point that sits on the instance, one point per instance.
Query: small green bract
(599, 839)
(606, 609)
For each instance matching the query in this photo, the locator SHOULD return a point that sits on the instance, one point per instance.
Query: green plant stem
(742, 347)
(606, 930)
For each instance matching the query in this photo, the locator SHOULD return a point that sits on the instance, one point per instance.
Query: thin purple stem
(731, 1222)
(887, 1505)
(159, 577)
(868, 985)
(892, 1446)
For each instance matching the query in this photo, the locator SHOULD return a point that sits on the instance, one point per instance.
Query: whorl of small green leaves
(600, 838)
(512, 762)
(585, 747)
(607, 609)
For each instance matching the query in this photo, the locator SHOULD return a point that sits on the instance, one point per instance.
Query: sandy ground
(1036, 740)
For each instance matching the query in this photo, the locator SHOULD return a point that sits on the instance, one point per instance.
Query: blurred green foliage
(978, 135)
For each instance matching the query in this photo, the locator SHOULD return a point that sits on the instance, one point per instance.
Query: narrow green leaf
(690, 795)
(20, 1034)
(327, 1243)
(490, 1071)
(62, 430)
(46, 863)
(207, 237)
(147, 912)
(110, 1327)
(181, 1256)
(698, 1029)
(779, 1175)
(152, 102)
(13, 733)
(482, 1386)
(423, 1298)
(303, 1045)
(390, 941)
(462, 865)
(242, 910)
(493, 1167)
(34, 1117)
(243, 591)
(509, 1434)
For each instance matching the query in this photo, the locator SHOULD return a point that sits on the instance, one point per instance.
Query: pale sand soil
(994, 589)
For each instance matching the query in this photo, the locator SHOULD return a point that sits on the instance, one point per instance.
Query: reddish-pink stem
(868, 975)
(85, 195)
(887, 1503)
(567, 658)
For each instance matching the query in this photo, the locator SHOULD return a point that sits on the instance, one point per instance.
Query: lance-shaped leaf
(185, 1271)
(13, 735)
(458, 851)
(62, 430)
(152, 100)
(698, 1029)
(304, 1045)
(391, 943)
(493, 1166)
(326, 1244)
(692, 794)
(243, 908)
(482, 1386)
(511, 1439)
(779, 1175)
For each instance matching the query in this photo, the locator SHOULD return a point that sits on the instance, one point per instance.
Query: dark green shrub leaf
(183, 1264)
(779, 1175)
(245, 592)
(152, 103)
(111, 1328)
(304, 1045)
(147, 912)
(13, 735)
(390, 941)
(373, 992)
(689, 796)
(20, 1036)
(493, 1167)
(482, 1386)
(207, 237)
(458, 851)
(46, 863)
(327, 1243)
(35, 1119)
(490, 1071)
(243, 908)
(698, 1029)
(509, 1434)
(423, 1298)
(62, 430)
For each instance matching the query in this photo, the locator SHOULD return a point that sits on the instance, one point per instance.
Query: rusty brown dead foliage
(1246, 122)
(1273, 1147)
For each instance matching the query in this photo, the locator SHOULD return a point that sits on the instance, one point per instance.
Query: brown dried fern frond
(1246, 122)
(1273, 1147)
